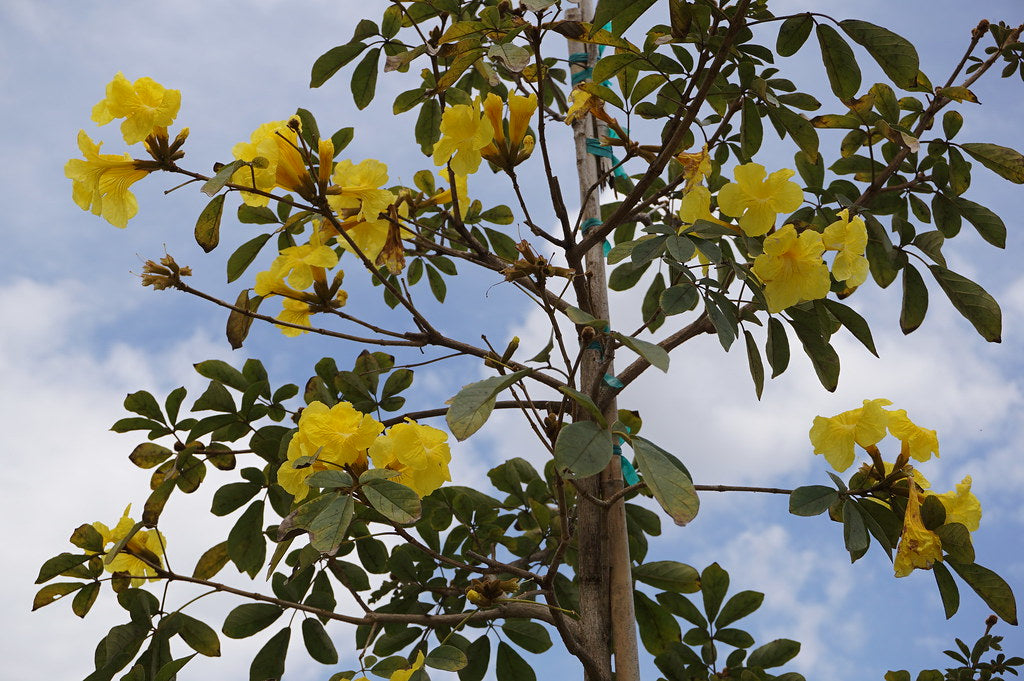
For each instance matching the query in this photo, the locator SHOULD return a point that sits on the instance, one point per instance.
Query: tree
(565, 544)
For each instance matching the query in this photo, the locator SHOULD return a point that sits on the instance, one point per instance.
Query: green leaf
(479, 654)
(669, 484)
(855, 531)
(683, 607)
(734, 637)
(651, 352)
(739, 606)
(530, 636)
(915, 299)
(247, 547)
(328, 529)
(332, 60)
(53, 592)
(714, 583)
(169, 670)
(396, 502)
(220, 178)
(233, 496)
(437, 285)
(1005, 162)
(207, 230)
(823, 356)
(219, 370)
(428, 124)
(211, 562)
(658, 629)
(87, 537)
(145, 404)
(587, 403)
(678, 299)
(971, 301)
(83, 601)
(256, 215)
(894, 53)
(583, 447)
(853, 322)
(269, 661)
(793, 34)
(800, 130)
(840, 64)
(989, 225)
(956, 541)
(244, 255)
(578, 316)
(992, 588)
(471, 406)
(199, 635)
(510, 665)
(811, 500)
(364, 79)
(669, 575)
(777, 347)
(773, 654)
(250, 618)
(318, 643)
(751, 130)
(948, 591)
(754, 363)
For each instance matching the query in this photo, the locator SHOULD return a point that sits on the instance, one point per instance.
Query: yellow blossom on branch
(277, 143)
(406, 674)
(517, 147)
(696, 167)
(962, 506)
(835, 436)
(464, 133)
(696, 205)
(920, 442)
(756, 201)
(333, 437)
(357, 189)
(919, 547)
(139, 553)
(419, 453)
(144, 105)
(791, 268)
(100, 182)
(850, 238)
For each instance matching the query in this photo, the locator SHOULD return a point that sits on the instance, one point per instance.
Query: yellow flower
(850, 238)
(406, 674)
(918, 547)
(144, 104)
(696, 167)
(583, 103)
(791, 268)
(464, 134)
(922, 442)
(100, 182)
(301, 264)
(962, 506)
(696, 205)
(145, 546)
(357, 191)
(277, 142)
(756, 201)
(336, 437)
(419, 453)
(506, 153)
(835, 436)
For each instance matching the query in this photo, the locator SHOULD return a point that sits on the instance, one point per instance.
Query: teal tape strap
(629, 475)
(582, 76)
(613, 382)
(593, 222)
(597, 149)
(578, 58)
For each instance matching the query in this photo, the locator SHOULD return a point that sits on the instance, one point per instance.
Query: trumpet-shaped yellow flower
(921, 442)
(919, 547)
(277, 143)
(144, 548)
(357, 191)
(299, 265)
(962, 506)
(464, 133)
(696, 167)
(509, 152)
(696, 205)
(791, 268)
(419, 453)
(850, 238)
(835, 436)
(756, 200)
(520, 112)
(335, 436)
(100, 182)
(144, 105)
(406, 674)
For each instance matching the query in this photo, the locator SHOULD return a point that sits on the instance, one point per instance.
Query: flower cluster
(101, 182)
(835, 438)
(469, 135)
(138, 555)
(339, 437)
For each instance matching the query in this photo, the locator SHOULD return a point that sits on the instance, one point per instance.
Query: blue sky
(79, 333)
